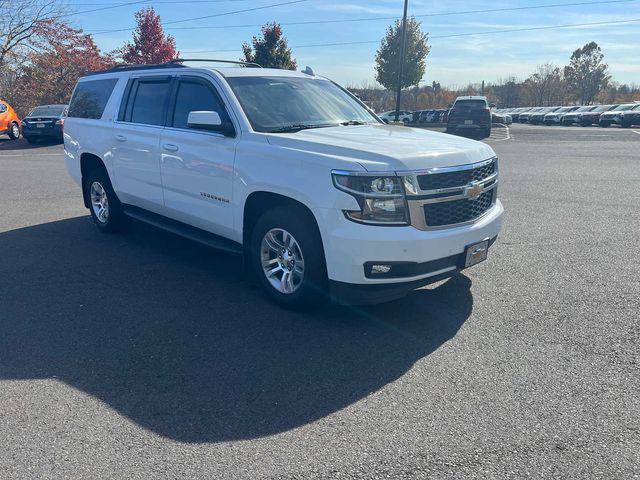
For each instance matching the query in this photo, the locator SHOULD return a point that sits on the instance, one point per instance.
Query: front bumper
(358, 294)
(349, 246)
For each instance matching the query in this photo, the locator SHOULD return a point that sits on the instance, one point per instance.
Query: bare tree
(20, 21)
(545, 86)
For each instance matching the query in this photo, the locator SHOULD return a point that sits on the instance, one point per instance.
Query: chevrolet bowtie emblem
(472, 192)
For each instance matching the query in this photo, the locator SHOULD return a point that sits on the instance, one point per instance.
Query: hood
(386, 147)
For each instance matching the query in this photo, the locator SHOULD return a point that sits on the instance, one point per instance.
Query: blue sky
(452, 61)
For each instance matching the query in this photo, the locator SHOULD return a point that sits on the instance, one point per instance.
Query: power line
(371, 19)
(252, 9)
(490, 32)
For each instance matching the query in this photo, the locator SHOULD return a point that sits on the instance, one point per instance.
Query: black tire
(624, 124)
(486, 133)
(115, 219)
(311, 289)
(605, 124)
(14, 131)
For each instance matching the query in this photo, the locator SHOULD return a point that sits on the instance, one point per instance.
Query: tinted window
(47, 111)
(471, 104)
(3, 108)
(193, 96)
(149, 101)
(90, 98)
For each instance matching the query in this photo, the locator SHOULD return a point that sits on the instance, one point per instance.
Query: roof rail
(176, 63)
(179, 61)
(127, 67)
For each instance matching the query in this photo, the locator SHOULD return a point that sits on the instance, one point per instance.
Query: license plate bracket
(39, 125)
(476, 253)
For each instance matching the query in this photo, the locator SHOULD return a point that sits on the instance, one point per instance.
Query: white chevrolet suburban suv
(287, 169)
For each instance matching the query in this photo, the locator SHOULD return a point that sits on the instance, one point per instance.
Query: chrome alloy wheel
(282, 260)
(15, 130)
(99, 202)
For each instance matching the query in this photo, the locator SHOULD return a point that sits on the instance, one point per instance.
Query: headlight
(381, 198)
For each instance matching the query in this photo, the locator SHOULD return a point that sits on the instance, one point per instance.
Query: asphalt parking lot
(146, 356)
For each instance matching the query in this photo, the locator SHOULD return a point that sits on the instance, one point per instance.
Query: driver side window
(195, 95)
(3, 108)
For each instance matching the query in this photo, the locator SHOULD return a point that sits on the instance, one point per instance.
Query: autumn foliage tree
(150, 44)
(270, 51)
(57, 59)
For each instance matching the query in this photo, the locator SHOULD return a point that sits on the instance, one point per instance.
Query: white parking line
(32, 155)
(635, 131)
(501, 135)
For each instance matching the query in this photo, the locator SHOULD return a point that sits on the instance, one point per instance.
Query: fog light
(380, 269)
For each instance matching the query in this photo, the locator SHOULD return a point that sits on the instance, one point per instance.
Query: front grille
(434, 181)
(458, 211)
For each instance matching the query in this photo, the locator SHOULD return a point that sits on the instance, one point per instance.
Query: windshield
(601, 108)
(565, 109)
(471, 104)
(627, 106)
(47, 111)
(278, 103)
(585, 109)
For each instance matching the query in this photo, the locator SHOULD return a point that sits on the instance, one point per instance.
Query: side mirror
(206, 120)
(450, 105)
(492, 105)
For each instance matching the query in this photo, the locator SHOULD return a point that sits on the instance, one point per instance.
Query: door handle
(170, 147)
(121, 138)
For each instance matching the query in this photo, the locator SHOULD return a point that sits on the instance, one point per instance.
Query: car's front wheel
(287, 256)
(14, 131)
(104, 205)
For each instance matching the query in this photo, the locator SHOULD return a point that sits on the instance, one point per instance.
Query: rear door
(136, 141)
(197, 164)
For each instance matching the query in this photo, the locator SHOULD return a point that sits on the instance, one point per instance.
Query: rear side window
(194, 95)
(90, 98)
(471, 104)
(149, 99)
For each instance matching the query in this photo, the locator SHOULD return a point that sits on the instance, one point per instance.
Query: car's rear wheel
(104, 205)
(605, 124)
(14, 131)
(287, 256)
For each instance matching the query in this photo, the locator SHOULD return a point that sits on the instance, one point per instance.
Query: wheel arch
(261, 201)
(88, 163)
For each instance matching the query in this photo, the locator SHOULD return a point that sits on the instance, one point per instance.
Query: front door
(196, 164)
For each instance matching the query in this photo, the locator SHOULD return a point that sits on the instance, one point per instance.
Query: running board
(178, 228)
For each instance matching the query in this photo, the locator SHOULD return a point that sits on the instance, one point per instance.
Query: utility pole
(401, 61)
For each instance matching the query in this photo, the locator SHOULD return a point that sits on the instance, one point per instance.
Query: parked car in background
(515, 113)
(524, 116)
(592, 117)
(9, 121)
(44, 123)
(470, 114)
(405, 116)
(614, 116)
(500, 117)
(631, 117)
(572, 118)
(555, 118)
(537, 118)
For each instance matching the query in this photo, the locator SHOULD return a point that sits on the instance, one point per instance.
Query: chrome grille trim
(416, 201)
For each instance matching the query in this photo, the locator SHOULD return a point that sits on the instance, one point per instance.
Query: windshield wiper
(296, 127)
(353, 122)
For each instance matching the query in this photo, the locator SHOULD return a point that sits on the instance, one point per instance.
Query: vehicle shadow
(7, 143)
(173, 336)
